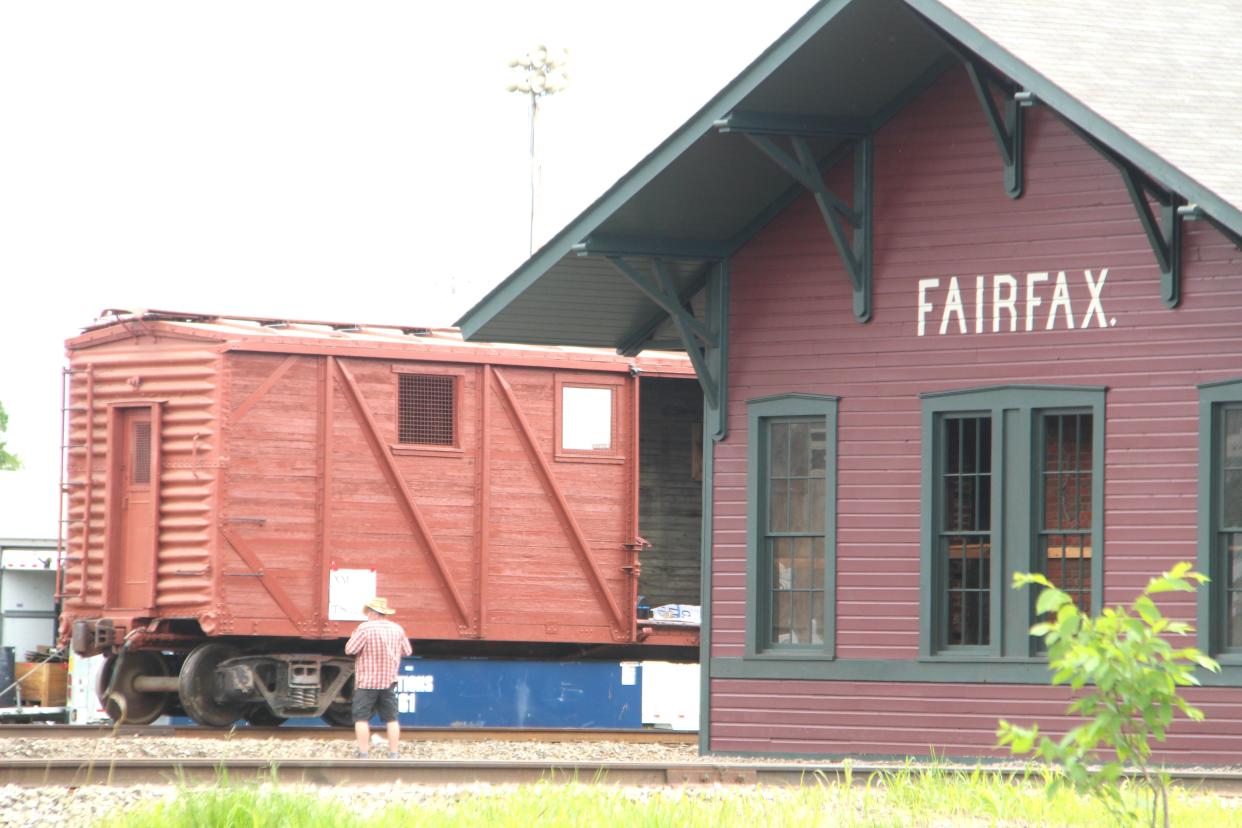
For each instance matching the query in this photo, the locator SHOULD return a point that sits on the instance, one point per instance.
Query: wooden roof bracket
(697, 338)
(1007, 130)
(802, 166)
(1165, 235)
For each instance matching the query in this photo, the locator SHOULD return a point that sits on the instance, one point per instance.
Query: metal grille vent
(426, 409)
(142, 453)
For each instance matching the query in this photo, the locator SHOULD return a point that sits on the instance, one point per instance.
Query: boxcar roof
(278, 335)
(1157, 83)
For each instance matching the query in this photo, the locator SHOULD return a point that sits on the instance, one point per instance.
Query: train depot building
(962, 284)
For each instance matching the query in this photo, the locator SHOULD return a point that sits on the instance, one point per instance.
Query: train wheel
(262, 716)
(123, 703)
(197, 683)
(339, 714)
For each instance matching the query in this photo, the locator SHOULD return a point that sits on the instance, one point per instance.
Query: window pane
(799, 505)
(1231, 545)
(779, 450)
(819, 451)
(1067, 515)
(1233, 437)
(819, 506)
(803, 548)
(802, 618)
(1231, 490)
(782, 618)
(586, 418)
(817, 617)
(782, 563)
(778, 506)
(799, 449)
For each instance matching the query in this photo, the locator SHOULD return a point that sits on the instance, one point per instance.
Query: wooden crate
(44, 684)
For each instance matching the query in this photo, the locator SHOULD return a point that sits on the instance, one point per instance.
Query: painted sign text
(1040, 301)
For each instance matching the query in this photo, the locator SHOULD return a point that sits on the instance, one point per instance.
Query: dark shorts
(381, 701)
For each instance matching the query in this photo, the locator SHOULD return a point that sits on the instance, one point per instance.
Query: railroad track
(77, 773)
(459, 734)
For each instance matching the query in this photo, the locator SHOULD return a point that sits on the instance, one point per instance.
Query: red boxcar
(251, 482)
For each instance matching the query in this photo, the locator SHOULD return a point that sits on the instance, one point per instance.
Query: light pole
(541, 72)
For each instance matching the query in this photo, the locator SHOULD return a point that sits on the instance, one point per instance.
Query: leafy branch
(1126, 673)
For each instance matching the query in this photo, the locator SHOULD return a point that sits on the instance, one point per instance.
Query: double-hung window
(1011, 483)
(791, 526)
(1220, 519)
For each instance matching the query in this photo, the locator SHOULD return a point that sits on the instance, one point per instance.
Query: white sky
(353, 161)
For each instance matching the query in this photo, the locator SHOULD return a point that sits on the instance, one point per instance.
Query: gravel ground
(341, 747)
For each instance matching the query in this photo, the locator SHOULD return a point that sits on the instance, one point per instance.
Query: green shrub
(1127, 674)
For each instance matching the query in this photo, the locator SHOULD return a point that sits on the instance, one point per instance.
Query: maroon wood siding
(940, 212)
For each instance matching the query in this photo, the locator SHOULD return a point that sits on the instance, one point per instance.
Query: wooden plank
(557, 497)
(405, 498)
(273, 587)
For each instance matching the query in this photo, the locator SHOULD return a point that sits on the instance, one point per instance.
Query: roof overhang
(839, 73)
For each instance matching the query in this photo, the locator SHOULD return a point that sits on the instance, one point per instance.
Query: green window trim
(1013, 535)
(1211, 603)
(761, 414)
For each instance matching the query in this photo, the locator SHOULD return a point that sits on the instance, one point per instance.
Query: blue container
(496, 693)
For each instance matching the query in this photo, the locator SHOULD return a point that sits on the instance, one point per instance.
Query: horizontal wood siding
(832, 718)
(940, 211)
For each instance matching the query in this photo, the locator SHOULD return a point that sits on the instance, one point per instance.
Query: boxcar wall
(256, 489)
(1020, 396)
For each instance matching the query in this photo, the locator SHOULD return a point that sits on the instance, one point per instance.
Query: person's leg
(386, 707)
(394, 736)
(361, 709)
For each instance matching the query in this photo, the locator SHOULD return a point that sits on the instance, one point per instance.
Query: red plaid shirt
(378, 646)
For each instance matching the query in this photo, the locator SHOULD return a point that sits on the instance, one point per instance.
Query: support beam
(641, 337)
(696, 250)
(1007, 130)
(855, 252)
(696, 338)
(780, 123)
(1165, 235)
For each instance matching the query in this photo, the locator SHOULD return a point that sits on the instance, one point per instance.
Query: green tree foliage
(1125, 673)
(7, 461)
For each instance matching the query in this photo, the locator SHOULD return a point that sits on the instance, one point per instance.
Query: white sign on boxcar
(348, 590)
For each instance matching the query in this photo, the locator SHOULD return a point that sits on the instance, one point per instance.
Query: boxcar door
(135, 507)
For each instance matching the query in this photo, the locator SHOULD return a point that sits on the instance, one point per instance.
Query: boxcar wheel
(339, 715)
(262, 716)
(196, 686)
(116, 690)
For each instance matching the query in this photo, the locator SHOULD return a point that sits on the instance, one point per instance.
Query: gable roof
(1156, 83)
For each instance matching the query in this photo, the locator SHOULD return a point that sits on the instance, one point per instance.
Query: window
(589, 425)
(1220, 519)
(791, 570)
(1010, 484)
(427, 409)
(586, 418)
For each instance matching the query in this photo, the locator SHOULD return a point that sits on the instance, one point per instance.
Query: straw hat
(379, 605)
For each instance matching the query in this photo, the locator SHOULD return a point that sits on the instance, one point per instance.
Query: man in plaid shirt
(377, 646)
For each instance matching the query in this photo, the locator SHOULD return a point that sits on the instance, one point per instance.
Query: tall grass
(903, 796)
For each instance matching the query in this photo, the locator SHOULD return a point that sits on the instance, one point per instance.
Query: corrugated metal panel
(940, 211)
(182, 378)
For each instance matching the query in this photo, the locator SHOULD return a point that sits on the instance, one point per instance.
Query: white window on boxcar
(586, 418)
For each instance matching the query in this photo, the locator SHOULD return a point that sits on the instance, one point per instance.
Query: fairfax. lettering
(956, 314)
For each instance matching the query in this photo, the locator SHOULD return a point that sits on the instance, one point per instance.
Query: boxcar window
(791, 547)
(586, 418)
(1010, 484)
(426, 409)
(1220, 519)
